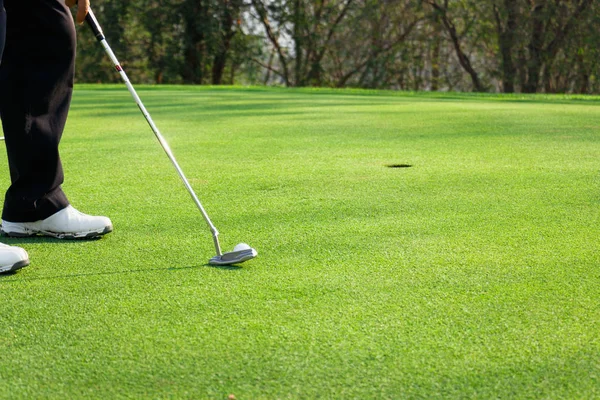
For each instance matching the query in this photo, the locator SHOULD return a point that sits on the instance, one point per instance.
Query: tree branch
(259, 6)
(463, 59)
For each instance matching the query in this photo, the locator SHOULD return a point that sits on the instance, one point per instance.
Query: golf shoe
(12, 258)
(68, 223)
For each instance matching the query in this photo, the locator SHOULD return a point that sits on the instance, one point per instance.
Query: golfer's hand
(82, 8)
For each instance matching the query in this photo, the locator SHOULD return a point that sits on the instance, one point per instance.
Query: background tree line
(465, 45)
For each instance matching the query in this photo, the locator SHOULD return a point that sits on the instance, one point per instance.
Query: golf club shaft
(93, 23)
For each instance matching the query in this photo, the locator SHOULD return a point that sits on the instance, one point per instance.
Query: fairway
(472, 271)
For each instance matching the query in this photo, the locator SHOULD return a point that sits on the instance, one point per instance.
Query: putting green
(469, 271)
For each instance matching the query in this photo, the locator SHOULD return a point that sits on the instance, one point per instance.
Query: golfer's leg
(36, 83)
(11, 257)
(36, 80)
(2, 28)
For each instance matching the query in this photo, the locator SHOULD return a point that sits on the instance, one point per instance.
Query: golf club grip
(90, 18)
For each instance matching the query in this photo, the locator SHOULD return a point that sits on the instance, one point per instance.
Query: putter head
(242, 252)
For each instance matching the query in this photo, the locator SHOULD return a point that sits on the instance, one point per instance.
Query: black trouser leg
(36, 83)
(2, 28)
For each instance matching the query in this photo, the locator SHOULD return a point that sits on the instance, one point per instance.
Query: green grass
(472, 274)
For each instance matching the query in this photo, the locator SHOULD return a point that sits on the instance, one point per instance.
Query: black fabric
(2, 28)
(36, 83)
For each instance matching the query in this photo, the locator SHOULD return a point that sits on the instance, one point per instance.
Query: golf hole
(399, 165)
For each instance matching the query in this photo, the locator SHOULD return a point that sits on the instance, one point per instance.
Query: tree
(506, 14)
(442, 12)
(279, 9)
(310, 27)
(506, 45)
(369, 45)
(550, 24)
(229, 18)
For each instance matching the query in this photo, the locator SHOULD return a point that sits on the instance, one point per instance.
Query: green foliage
(499, 45)
(160, 41)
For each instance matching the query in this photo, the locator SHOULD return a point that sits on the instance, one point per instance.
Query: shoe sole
(58, 235)
(14, 267)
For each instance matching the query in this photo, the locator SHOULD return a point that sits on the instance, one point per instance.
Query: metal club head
(242, 252)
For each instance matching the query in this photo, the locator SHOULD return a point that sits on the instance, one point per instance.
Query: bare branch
(262, 12)
(268, 67)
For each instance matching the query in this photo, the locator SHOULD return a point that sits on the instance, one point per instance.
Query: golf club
(242, 252)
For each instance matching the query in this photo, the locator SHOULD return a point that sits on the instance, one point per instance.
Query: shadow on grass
(15, 241)
(224, 267)
(122, 272)
(4, 278)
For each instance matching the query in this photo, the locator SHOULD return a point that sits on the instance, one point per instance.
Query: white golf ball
(241, 246)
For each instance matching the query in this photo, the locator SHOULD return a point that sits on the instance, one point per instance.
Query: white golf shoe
(68, 223)
(12, 258)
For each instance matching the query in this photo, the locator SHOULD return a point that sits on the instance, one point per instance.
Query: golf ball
(241, 246)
